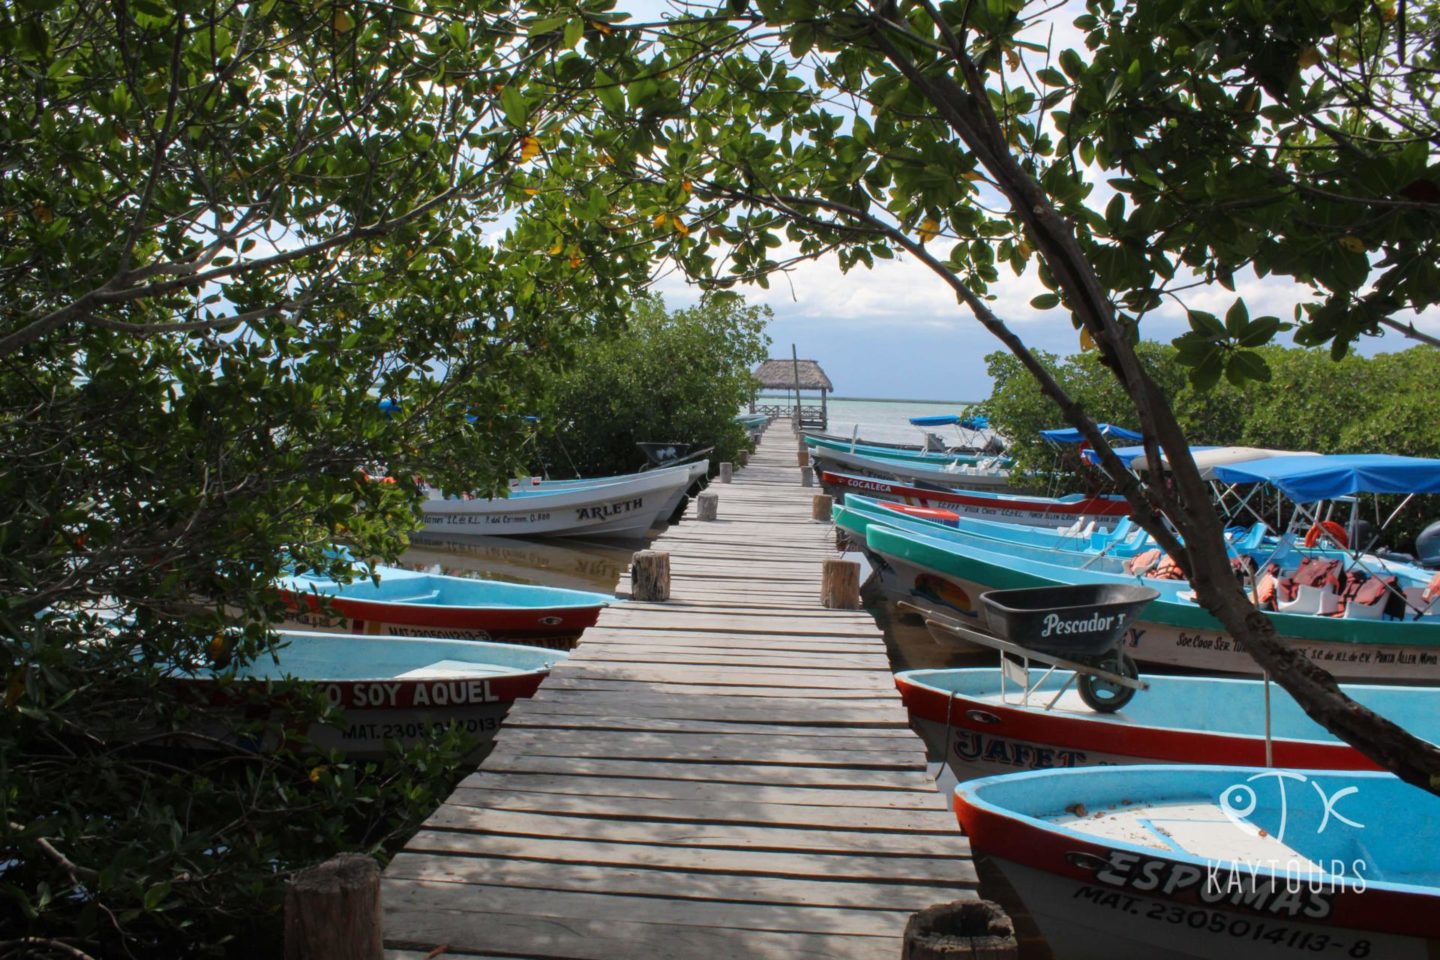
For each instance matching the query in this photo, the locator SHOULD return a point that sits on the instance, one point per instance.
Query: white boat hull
(626, 508)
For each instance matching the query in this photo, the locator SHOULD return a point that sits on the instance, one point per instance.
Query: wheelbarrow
(1072, 627)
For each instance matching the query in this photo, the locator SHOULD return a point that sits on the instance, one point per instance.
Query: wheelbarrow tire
(1102, 696)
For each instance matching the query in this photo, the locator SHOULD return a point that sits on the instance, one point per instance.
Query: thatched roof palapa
(780, 375)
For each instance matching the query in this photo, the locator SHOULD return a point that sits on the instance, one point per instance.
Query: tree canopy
(228, 232)
(669, 376)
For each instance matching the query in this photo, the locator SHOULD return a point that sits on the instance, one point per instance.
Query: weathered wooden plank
(618, 722)
(713, 748)
(840, 777)
(937, 870)
(472, 931)
(644, 881)
(611, 685)
(826, 839)
(741, 706)
(760, 656)
(930, 822)
(840, 678)
(601, 907)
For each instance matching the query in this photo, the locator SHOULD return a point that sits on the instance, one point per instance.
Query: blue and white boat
(409, 603)
(984, 722)
(388, 689)
(1215, 863)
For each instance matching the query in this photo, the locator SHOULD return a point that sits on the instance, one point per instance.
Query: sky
(896, 331)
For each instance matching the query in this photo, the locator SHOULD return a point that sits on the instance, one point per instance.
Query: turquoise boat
(984, 722)
(948, 570)
(939, 459)
(1215, 863)
(398, 690)
(409, 603)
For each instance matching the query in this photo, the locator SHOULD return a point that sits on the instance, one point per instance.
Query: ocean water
(884, 420)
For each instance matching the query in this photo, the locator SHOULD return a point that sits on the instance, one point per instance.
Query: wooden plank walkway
(726, 775)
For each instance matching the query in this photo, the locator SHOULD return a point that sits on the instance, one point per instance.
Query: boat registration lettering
(1223, 924)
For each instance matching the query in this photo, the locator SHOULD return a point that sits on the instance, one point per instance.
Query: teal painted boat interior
(398, 585)
(1209, 704)
(340, 656)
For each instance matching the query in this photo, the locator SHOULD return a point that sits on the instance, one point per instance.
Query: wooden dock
(726, 775)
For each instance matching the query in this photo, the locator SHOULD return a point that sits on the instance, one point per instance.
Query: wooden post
(803, 458)
(744, 458)
(820, 505)
(840, 585)
(650, 576)
(706, 505)
(807, 476)
(727, 470)
(974, 929)
(332, 911)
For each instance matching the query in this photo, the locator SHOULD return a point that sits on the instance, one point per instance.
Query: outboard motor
(1427, 545)
(1361, 534)
(993, 447)
(934, 443)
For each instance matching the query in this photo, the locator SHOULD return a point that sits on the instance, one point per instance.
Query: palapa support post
(727, 470)
(650, 576)
(820, 505)
(707, 505)
(975, 929)
(807, 476)
(332, 911)
(840, 585)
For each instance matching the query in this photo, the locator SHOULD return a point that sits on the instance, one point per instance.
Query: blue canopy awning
(1107, 430)
(1304, 479)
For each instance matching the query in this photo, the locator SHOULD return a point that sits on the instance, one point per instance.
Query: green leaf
(1237, 319)
(512, 103)
(1246, 365)
(1046, 301)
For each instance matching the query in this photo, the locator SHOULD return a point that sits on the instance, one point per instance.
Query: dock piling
(807, 476)
(650, 576)
(332, 911)
(960, 930)
(840, 585)
(820, 505)
(707, 505)
(727, 472)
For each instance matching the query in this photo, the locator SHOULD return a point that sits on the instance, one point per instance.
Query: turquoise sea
(885, 420)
